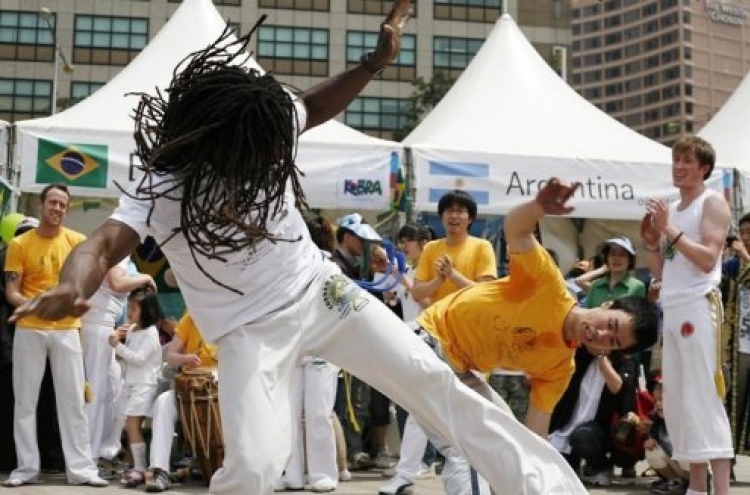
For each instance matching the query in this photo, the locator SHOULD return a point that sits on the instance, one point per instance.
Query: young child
(143, 358)
(673, 479)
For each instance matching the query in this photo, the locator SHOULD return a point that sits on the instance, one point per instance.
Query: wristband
(675, 240)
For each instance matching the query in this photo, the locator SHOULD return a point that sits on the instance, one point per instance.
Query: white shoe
(345, 475)
(426, 472)
(323, 486)
(384, 460)
(397, 486)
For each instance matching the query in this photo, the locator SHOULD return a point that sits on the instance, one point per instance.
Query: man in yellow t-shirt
(528, 321)
(187, 349)
(32, 266)
(458, 260)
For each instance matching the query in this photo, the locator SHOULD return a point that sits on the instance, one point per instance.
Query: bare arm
(83, 272)
(714, 227)
(538, 421)
(584, 281)
(13, 289)
(423, 290)
(521, 220)
(120, 281)
(612, 378)
(327, 99)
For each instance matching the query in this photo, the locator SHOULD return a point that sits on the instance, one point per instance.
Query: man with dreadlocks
(217, 157)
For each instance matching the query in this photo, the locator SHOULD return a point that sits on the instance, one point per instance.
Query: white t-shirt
(270, 275)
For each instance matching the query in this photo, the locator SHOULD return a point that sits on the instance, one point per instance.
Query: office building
(661, 67)
(302, 41)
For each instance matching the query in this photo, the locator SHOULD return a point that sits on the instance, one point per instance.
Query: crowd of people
(313, 332)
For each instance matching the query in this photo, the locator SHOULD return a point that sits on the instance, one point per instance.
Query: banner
(90, 165)
(609, 189)
(335, 176)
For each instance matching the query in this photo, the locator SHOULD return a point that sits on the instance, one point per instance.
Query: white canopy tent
(90, 145)
(510, 122)
(727, 131)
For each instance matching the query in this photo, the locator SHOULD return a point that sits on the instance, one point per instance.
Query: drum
(198, 402)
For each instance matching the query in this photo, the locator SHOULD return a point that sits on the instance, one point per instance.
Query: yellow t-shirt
(194, 341)
(474, 258)
(514, 323)
(39, 260)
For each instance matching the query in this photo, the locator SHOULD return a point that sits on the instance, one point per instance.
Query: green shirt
(599, 292)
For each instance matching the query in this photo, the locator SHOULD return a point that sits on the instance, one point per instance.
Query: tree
(426, 95)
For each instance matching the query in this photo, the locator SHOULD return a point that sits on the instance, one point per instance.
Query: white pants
(689, 362)
(104, 375)
(162, 430)
(313, 392)
(413, 444)
(340, 322)
(30, 351)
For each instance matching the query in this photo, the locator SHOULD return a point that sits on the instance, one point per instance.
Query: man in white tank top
(684, 240)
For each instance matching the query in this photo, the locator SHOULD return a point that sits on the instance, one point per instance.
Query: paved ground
(363, 484)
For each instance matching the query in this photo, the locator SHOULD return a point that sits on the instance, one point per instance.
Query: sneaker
(132, 478)
(361, 460)
(323, 486)
(345, 475)
(426, 472)
(397, 486)
(602, 478)
(384, 460)
(671, 487)
(13, 482)
(157, 481)
(109, 468)
(95, 482)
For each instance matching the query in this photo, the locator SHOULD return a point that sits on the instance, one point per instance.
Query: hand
(644, 426)
(379, 259)
(55, 304)
(150, 283)
(191, 360)
(444, 266)
(649, 234)
(389, 41)
(114, 338)
(553, 196)
(659, 211)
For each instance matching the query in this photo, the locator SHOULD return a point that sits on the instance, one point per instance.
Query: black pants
(592, 442)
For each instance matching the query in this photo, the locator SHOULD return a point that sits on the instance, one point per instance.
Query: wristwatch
(366, 61)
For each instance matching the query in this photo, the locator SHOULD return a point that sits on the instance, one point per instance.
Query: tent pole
(504, 7)
(409, 188)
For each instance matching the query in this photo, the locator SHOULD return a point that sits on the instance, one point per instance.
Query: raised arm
(521, 220)
(82, 273)
(329, 98)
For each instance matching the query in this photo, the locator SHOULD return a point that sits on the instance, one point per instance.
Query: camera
(730, 239)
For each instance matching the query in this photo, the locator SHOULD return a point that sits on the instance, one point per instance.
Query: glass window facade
(25, 98)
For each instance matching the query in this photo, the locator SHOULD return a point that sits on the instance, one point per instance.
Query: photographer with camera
(736, 332)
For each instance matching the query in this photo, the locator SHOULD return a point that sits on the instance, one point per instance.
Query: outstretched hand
(389, 41)
(554, 196)
(54, 304)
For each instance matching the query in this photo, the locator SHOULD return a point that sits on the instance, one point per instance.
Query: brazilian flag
(80, 165)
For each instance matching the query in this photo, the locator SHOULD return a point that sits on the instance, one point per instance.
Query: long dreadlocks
(223, 145)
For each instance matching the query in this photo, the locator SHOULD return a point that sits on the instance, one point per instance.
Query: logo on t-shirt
(343, 295)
